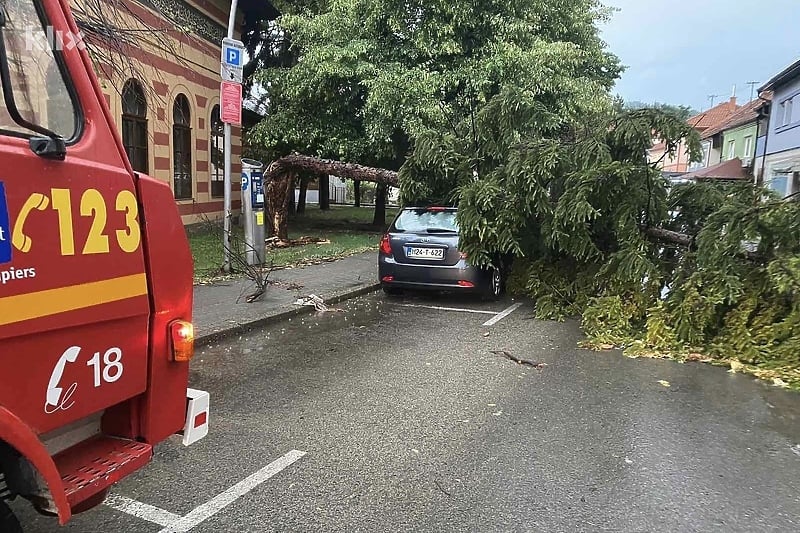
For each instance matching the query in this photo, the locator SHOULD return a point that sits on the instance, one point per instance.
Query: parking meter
(253, 211)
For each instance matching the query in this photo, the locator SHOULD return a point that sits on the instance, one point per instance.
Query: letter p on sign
(233, 56)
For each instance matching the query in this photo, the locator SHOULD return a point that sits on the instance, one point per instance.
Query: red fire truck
(95, 282)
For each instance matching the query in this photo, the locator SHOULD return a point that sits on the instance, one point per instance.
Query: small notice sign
(231, 106)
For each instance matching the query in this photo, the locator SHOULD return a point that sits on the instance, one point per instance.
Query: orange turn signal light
(182, 334)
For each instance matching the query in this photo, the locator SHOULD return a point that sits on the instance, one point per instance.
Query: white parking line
(222, 500)
(173, 523)
(141, 510)
(500, 316)
(458, 309)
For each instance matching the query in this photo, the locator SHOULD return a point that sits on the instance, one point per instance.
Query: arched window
(134, 125)
(182, 148)
(217, 150)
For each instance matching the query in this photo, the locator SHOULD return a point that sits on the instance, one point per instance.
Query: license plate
(424, 253)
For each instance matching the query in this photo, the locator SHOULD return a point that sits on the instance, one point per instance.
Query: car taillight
(386, 247)
(182, 334)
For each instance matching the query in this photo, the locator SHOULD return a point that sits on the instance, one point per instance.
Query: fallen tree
(280, 174)
(510, 117)
(297, 162)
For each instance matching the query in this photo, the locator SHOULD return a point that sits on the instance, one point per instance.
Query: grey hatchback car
(420, 251)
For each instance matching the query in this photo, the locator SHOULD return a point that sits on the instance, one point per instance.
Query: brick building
(165, 98)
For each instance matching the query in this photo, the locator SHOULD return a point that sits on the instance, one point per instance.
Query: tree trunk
(379, 219)
(324, 192)
(292, 207)
(301, 198)
(357, 192)
(669, 236)
(278, 207)
(319, 166)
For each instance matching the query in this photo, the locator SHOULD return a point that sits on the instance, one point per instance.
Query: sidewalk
(221, 308)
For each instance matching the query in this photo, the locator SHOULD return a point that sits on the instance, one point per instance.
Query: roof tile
(715, 115)
(744, 115)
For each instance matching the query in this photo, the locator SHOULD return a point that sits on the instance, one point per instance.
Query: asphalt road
(409, 422)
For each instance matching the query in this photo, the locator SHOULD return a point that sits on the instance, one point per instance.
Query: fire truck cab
(95, 282)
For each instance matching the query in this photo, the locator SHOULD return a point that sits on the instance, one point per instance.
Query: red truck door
(74, 301)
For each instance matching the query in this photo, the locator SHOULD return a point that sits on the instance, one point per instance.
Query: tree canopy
(681, 111)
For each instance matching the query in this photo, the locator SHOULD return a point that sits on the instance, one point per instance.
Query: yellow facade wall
(187, 64)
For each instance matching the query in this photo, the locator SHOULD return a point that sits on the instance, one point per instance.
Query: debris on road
(312, 300)
(664, 383)
(736, 366)
(524, 362)
(439, 486)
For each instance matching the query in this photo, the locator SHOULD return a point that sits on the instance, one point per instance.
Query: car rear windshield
(426, 221)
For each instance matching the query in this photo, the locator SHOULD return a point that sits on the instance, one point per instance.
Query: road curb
(282, 314)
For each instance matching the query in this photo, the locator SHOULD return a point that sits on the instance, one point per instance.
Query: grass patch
(349, 230)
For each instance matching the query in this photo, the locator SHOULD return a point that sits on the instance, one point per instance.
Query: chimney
(733, 96)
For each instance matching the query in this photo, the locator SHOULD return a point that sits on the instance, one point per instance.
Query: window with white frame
(731, 148)
(697, 165)
(785, 182)
(748, 146)
(779, 182)
(780, 112)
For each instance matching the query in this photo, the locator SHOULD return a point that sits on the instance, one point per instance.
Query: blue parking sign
(5, 227)
(233, 56)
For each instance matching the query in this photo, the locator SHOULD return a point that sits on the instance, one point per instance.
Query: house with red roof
(680, 161)
(733, 139)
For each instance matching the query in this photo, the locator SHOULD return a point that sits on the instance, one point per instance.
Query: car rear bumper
(437, 277)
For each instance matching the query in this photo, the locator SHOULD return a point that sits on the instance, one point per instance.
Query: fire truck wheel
(8, 522)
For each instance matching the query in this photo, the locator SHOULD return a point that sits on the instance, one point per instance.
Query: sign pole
(226, 247)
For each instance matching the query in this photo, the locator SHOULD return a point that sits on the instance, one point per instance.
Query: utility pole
(713, 97)
(752, 85)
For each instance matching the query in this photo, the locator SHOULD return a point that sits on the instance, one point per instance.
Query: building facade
(740, 141)
(778, 161)
(164, 95)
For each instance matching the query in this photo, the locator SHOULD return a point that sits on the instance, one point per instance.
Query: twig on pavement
(524, 362)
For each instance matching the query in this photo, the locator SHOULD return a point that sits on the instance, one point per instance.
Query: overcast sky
(682, 51)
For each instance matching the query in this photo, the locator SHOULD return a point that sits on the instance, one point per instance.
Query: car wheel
(495, 284)
(8, 522)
